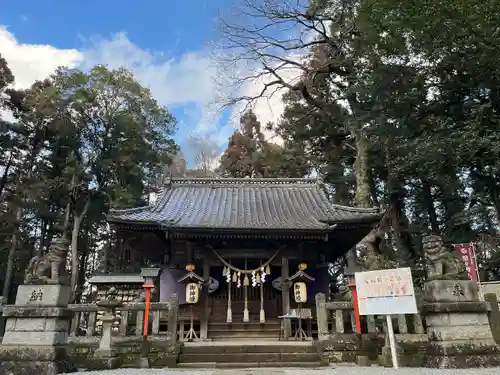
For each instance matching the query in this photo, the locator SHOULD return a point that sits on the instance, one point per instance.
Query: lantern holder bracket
(191, 333)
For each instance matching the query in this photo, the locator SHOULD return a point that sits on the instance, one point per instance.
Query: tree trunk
(429, 205)
(77, 220)
(5, 174)
(362, 171)
(81, 277)
(363, 186)
(397, 214)
(12, 251)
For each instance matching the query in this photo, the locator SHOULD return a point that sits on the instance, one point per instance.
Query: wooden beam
(205, 306)
(285, 295)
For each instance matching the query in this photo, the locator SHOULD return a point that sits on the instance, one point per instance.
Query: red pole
(354, 292)
(146, 308)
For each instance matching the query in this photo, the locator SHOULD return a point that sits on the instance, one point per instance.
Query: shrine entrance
(227, 319)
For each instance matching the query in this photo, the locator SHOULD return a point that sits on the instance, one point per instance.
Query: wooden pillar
(285, 295)
(204, 308)
(173, 312)
(321, 316)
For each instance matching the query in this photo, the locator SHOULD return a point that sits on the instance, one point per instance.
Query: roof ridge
(355, 209)
(133, 209)
(239, 181)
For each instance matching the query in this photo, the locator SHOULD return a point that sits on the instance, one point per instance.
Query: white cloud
(31, 62)
(188, 79)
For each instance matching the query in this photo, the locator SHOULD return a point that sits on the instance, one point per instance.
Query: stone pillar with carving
(457, 326)
(37, 324)
(457, 320)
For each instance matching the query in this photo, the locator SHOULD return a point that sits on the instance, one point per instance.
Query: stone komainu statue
(441, 262)
(47, 269)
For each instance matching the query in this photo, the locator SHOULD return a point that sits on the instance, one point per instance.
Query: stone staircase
(222, 331)
(251, 353)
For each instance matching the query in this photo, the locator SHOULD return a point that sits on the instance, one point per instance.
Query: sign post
(149, 275)
(386, 292)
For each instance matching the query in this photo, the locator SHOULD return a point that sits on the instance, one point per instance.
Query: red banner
(467, 252)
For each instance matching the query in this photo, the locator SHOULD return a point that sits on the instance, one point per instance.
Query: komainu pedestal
(457, 326)
(36, 332)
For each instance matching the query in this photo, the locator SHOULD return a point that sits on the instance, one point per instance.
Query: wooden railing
(164, 321)
(338, 318)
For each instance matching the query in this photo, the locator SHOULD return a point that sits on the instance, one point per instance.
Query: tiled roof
(238, 203)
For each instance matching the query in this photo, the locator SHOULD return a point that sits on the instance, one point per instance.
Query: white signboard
(386, 292)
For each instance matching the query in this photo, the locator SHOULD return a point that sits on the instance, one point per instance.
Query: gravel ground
(341, 370)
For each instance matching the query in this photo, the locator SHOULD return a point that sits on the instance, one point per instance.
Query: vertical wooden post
(354, 292)
(417, 324)
(262, 315)
(204, 304)
(285, 295)
(146, 310)
(321, 316)
(172, 316)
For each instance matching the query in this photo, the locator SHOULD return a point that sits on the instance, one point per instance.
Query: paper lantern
(300, 292)
(192, 293)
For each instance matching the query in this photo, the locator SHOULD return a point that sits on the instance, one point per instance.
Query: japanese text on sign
(386, 292)
(300, 292)
(467, 252)
(192, 293)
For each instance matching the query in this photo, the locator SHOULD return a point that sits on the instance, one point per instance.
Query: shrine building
(243, 237)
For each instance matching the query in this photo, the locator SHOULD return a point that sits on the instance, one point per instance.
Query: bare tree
(272, 41)
(206, 152)
(177, 168)
(294, 44)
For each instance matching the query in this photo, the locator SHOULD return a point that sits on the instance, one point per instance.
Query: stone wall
(163, 353)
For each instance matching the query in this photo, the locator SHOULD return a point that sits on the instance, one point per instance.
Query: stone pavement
(340, 370)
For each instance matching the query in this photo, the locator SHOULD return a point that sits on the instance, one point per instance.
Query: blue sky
(166, 44)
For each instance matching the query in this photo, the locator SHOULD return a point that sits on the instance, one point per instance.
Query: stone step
(240, 325)
(257, 329)
(249, 357)
(242, 335)
(219, 339)
(246, 365)
(272, 346)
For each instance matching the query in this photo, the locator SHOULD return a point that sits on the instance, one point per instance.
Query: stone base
(33, 360)
(144, 362)
(97, 363)
(457, 326)
(386, 356)
(104, 359)
(471, 355)
(363, 361)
